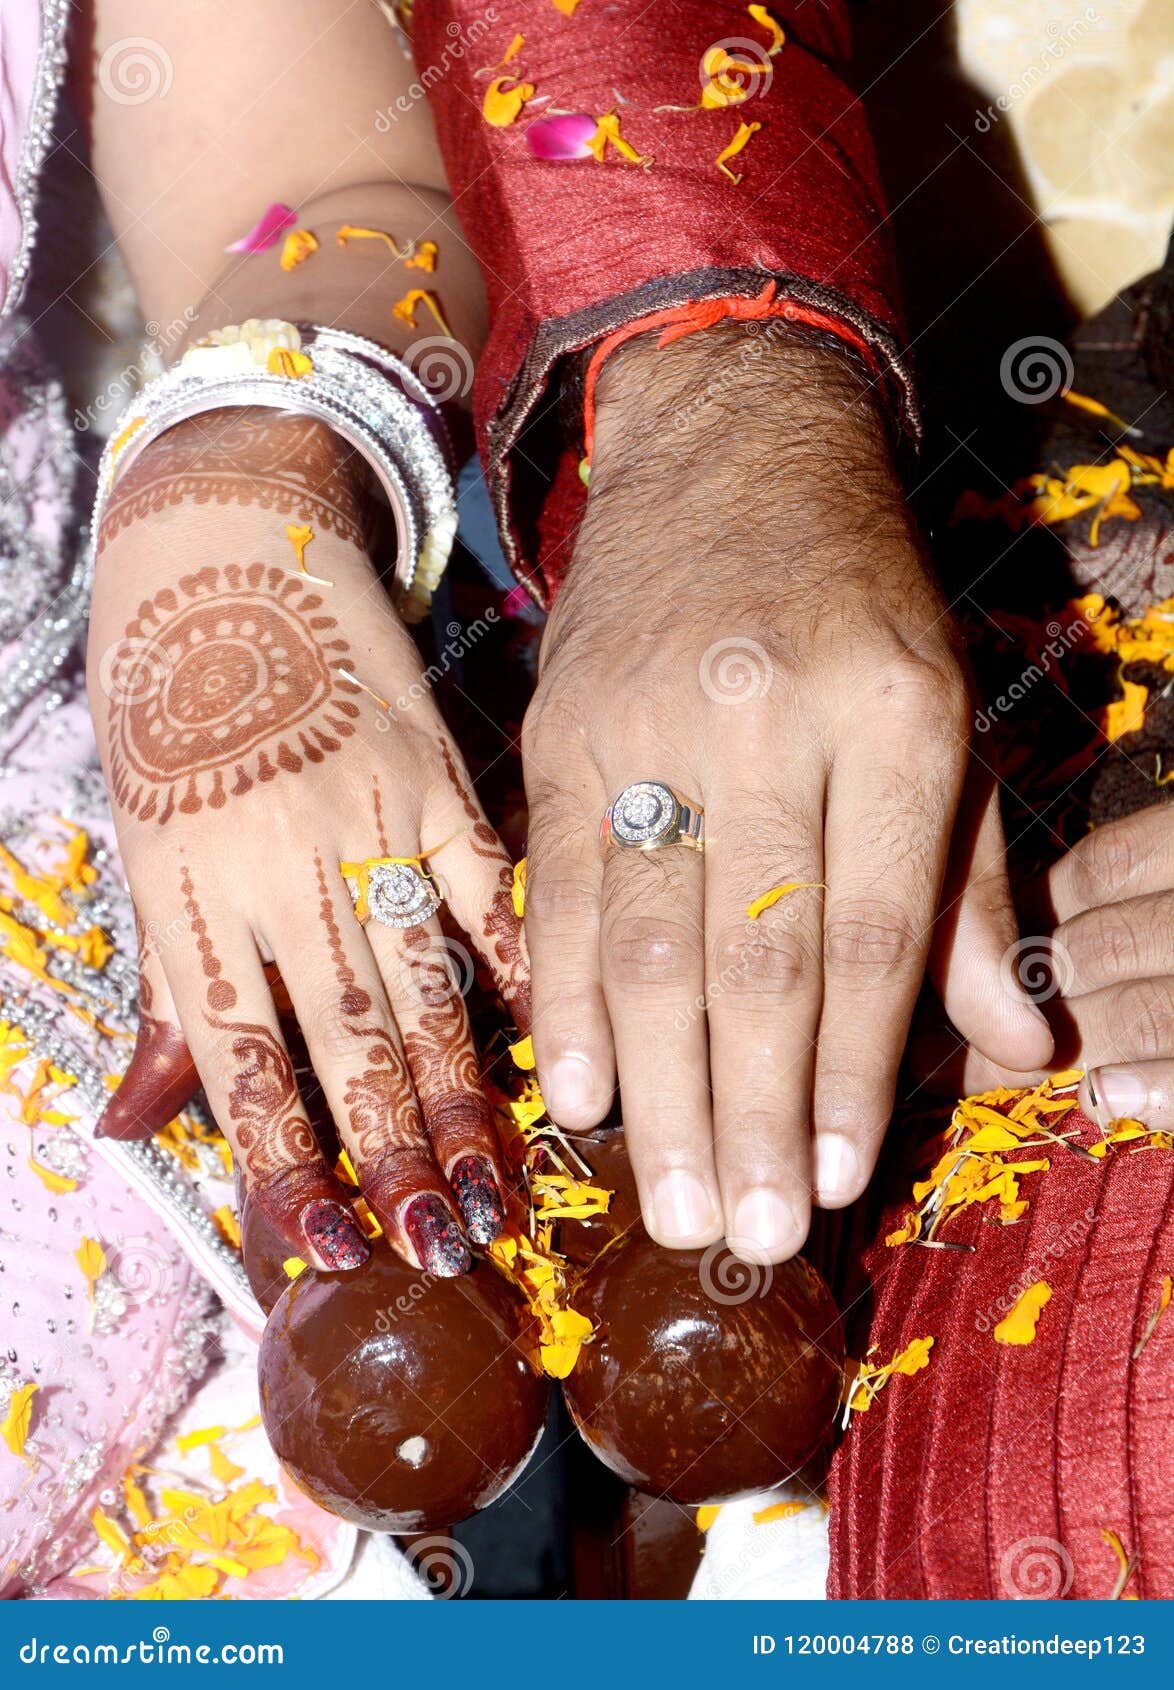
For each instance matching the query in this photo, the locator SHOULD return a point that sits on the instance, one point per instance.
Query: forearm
(249, 113)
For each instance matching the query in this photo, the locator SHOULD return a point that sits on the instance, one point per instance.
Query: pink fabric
(20, 43)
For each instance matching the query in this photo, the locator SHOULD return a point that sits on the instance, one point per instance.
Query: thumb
(978, 963)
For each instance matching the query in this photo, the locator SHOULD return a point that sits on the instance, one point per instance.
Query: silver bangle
(357, 388)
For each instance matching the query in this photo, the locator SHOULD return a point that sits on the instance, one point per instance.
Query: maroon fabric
(573, 250)
(992, 1472)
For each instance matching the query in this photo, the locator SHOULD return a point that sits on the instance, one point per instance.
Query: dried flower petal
(283, 362)
(1019, 1323)
(423, 256)
(765, 902)
(267, 230)
(607, 133)
(18, 1420)
(564, 137)
(503, 106)
(518, 890)
(743, 134)
(405, 309)
(761, 15)
(298, 245)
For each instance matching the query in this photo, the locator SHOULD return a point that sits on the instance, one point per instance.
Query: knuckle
(1142, 1022)
(868, 941)
(1104, 944)
(757, 959)
(928, 689)
(560, 895)
(650, 950)
(1102, 863)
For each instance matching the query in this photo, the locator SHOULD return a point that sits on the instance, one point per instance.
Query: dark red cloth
(993, 1472)
(571, 251)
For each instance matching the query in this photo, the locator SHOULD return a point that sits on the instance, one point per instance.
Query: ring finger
(652, 963)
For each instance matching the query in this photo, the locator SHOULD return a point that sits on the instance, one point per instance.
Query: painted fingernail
(682, 1209)
(837, 1170)
(334, 1236)
(765, 1222)
(481, 1203)
(1117, 1092)
(436, 1238)
(160, 1081)
(569, 1086)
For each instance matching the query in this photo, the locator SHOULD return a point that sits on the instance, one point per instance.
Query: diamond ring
(393, 891)
(648, 815)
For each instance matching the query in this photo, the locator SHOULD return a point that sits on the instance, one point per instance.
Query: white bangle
(357, 388)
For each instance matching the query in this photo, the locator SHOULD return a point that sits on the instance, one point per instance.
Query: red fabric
(572, 251)
(992, 1472)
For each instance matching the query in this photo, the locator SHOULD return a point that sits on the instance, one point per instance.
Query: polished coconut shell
(397, 1400)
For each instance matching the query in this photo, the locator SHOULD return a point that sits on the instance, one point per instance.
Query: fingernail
(764, 1221)
(479, 1196)
(436, 1238)
(569, 1087)
(682, 1208)
(837, 1169)
(1117, 1092)
(334, 1235)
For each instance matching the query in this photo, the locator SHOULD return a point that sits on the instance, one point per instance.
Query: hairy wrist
(735, 382)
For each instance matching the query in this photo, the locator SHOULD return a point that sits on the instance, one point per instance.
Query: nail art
(334, 1235)
(436, 1237)
(479, 1195)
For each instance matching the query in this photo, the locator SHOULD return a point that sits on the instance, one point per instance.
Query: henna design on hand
(289, 465)
(502, 928)
(381, 1106)
(234, 680)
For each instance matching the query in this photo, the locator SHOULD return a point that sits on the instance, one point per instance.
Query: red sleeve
(575, 250)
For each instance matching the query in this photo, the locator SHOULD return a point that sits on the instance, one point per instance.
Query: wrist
(765, 385)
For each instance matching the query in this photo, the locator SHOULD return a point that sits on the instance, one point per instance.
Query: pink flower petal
(561, 137)
(516, 602)
(269, 228)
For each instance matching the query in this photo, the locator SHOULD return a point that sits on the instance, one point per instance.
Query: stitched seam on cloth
(50, 74)
(556, 339)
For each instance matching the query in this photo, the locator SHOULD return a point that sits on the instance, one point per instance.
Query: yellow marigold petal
(57, 1183)
(779, 1510)
(1066, 1077)
(187, 1441)
(607, 133)
(755, 909)
(503, 106)
(909, 1229)
(1164, 1296)
(112, 1535)
(566, 7)
(405, 309)
(91, 1258)
(1019, 1323)
(518, 891)
(424, 255)
(523, 1052)
(298, 245)
(762, 16)
(224, 1471)
(707, 1514)
(284, 362)
(137, 1505)
(1125, 715)
(227, 1225)
(18, 1420)
(352, 232)
(292, 1266)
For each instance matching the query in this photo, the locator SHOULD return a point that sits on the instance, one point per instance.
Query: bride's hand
(261, 723)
